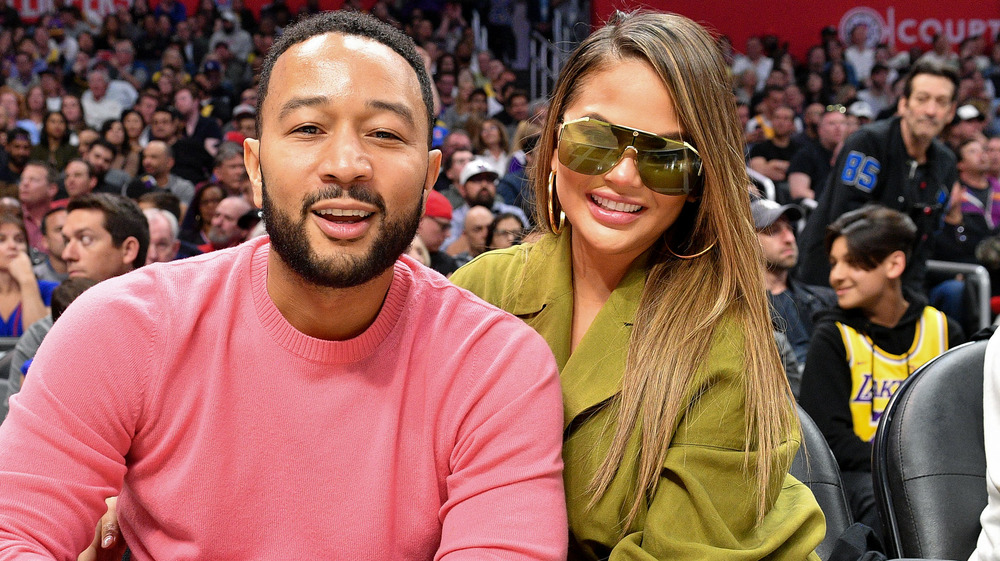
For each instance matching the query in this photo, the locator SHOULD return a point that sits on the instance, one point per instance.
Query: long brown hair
(684, 301)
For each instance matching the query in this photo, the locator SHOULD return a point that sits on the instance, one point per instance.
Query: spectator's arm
(799, 185)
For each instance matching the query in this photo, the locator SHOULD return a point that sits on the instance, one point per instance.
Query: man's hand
(108, 544)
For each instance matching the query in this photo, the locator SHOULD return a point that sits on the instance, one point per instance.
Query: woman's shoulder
(493, 275)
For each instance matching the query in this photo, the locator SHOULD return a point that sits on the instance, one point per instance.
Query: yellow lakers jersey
(876, 374)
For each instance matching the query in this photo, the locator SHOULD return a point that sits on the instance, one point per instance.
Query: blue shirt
(12, 326)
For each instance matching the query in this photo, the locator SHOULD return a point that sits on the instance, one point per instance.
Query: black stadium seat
(929, 461)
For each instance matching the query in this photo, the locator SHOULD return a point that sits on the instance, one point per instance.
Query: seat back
(815, 466)
(929, 460)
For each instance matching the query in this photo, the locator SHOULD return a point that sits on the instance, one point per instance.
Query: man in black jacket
(898, 163)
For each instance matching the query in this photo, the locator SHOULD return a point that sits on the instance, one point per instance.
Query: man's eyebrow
(297, 102)
(399, 109)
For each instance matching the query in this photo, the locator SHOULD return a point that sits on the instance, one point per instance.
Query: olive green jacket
(703, 508)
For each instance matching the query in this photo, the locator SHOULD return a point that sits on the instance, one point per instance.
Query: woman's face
(12, 242)
(507, 232)
(615, 215)
(9, 102)
(837, 74)
(116, 134)
(133, 125)
(55, 125)
(490, 134)
(206, 206)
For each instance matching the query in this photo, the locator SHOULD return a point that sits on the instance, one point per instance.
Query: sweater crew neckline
(320, 350)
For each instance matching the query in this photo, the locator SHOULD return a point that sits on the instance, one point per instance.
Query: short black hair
(348, 23)
(45, 218)
(66, 292)
(872, 233)
(934, 69)
(122, 219)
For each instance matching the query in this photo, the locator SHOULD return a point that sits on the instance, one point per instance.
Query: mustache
(359, 192)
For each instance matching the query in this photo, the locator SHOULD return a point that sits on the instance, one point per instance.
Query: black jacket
(874, 167)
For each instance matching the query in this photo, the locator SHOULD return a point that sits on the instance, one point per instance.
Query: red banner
(901, 24)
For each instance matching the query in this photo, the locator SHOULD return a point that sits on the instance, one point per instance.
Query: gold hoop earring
(555, 227)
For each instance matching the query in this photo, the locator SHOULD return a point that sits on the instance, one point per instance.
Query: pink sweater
(434, 434)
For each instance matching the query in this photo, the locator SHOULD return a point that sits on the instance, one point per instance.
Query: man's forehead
(84, 219)
(933, 84)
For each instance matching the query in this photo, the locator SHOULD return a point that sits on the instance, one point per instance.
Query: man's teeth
(613, 205)
(343, 212)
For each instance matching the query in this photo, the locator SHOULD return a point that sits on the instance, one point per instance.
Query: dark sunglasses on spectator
(666, 166)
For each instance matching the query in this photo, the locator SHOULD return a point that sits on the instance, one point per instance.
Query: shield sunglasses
(593, 147)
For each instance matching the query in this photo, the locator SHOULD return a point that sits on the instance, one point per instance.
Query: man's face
(518, 107)
(99, 157)
(477, 223)
(247, 126)
(458, 161)
(162, 246)
(155, 160)
(78, 180)
(19, 150)
(53, 234)
(185, 103)
(232, 174)
(477, 104)
(775, 99)
(993, 155)
(778, 242)
(342, 162)
(433, 231)
(973, 158)
(480, 190)
(446, 88)
(34, 188)
(783, 122)
(162, 126)
(90, 252)
(23, 64)
(98, 84)
(146, 107)
(929, 108)
(832, 128)
(225, 230)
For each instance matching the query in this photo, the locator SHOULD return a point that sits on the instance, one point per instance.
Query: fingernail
(108, 540)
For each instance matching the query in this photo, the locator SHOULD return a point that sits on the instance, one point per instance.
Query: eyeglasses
(836, 109)
(666, 166)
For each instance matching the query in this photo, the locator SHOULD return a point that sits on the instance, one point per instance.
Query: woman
(34, 117)
(134, 124)
(493, 145)
(54, 148)
(505, 231)
(72, 109)
(114, 132)
(23, 298)
(198, 218)
(679, 422)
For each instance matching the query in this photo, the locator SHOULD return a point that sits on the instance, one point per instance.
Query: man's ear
(433, 168)
(895, 264)
(251, 160)
(130, 250)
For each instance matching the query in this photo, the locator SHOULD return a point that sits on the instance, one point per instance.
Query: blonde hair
(684, 300)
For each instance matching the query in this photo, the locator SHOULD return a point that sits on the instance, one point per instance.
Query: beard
(290, 240)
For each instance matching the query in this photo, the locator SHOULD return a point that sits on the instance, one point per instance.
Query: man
(515, 110)
(36, 191)
(896, 162)
(201, 129)
(993, 157)
(455, 140)
(157, 162)
(225, 230)
(810, 167)
(878, 95)
(473, 239)
(771, 157)
(859, 53)
(104, 236)
(229, 172)
(433, 229)
(755, 59)
(98, 106)
(100, 155)
(191, 160)
(163, 230)
(452, 171)
(239, 40)
(773, 98)
(794, 303)
(394, 449)
(80, 178)
(18, 154)
(478, 186)
(53, 268)
(973, 213)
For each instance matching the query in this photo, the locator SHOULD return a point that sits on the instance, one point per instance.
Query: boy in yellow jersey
(876, 337)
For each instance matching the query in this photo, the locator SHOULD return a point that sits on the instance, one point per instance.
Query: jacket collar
(592, 374)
